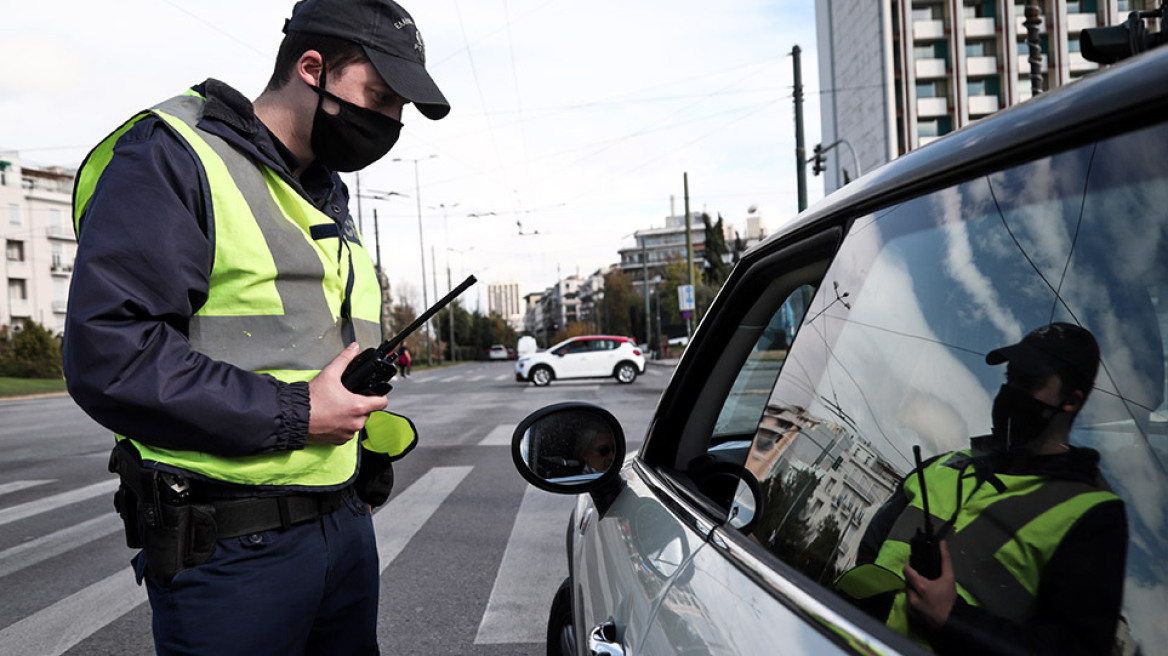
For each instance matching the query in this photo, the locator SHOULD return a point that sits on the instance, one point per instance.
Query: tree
(623, 308)
(717, 270)
(34, 352)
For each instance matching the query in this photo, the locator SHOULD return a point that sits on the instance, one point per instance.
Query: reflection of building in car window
(825, 481)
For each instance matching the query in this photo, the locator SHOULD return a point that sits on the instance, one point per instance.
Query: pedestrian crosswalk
(529, 571)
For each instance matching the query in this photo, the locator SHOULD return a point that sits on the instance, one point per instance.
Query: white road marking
(528, 575)
(27, 554)
(406, 513)
(499, 436)
(58, 628)
(16, 486)
(21, 511)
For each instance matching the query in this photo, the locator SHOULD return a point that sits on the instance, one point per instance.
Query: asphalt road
(470, 554)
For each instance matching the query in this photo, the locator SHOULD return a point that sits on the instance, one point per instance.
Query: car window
(752, 386)
(891, 353)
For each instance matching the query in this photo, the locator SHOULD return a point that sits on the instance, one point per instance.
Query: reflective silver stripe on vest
(973, 547)
(265, 342)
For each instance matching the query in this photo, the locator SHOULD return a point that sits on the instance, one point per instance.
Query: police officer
(1032, 548)
(220, 290)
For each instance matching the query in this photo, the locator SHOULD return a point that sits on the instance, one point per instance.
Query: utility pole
(450, 310)
(688, 245)
(421, 251)
(800, 154)
(434, 277)
(688, 235)
(645, 285)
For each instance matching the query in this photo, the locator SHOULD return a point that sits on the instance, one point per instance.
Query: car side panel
(624, 561)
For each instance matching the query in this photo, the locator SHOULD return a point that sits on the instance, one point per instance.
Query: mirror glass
(743, 509)
(569, 448)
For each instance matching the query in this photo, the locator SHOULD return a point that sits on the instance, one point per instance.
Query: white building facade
(37, 230)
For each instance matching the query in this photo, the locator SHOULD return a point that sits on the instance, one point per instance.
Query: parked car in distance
(497, 352)
(587, 356)
(856, 333)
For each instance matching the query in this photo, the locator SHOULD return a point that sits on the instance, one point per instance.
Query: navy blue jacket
(142, 270)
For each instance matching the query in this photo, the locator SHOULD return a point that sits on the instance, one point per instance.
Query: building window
(927, 90)
(17, 292)
(1073, 7)
(975, 49)
(15, 251)
(928, 128)
(1072, 45)
(922, 13)
(924, 52)
(14, 214)
(977, 88)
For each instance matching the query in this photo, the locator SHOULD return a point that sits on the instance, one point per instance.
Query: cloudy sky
(573, 122)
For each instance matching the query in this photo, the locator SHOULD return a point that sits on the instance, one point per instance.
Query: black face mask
(353, 138)
(1019, 419)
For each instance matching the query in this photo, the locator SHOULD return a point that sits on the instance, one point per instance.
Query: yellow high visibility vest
(1000, 541)
(280, 278)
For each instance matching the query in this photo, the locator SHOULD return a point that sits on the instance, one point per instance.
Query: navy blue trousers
(312, 589)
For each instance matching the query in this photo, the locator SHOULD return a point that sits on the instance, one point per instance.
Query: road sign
(686, 314)
(685, 297)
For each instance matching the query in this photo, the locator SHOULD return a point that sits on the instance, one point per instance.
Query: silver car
(853, 335)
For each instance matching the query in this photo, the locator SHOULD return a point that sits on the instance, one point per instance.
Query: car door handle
(602, 641)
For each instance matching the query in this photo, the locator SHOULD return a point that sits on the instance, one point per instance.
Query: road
(470, 554)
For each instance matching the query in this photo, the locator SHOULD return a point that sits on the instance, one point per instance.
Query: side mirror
(571, 448)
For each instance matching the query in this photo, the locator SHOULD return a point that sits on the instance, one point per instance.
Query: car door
(890, 355)
(571, 359)
(658, 567)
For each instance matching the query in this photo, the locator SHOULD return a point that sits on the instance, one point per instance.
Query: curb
(25, 397)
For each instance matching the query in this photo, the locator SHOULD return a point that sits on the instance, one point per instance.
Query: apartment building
(503, 299)
(897, 74)
(39, 246)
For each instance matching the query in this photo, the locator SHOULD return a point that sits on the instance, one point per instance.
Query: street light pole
(421, 247)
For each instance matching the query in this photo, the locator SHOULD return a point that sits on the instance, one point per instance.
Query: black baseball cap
(389, 37)
(1053, 346)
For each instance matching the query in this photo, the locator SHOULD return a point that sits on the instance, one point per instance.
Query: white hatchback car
(498, 352)
(588, 356)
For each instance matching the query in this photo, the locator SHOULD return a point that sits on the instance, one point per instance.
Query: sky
(573, 124)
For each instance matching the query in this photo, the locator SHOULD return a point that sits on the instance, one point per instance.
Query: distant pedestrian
(403, 360)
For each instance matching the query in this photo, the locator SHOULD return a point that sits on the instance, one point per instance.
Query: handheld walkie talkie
(925, 556)
(370, 372)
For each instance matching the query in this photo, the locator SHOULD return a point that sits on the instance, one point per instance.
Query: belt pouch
(184, 536)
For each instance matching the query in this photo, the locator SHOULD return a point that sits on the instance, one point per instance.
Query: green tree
(717, 269)
(34, 353)
(623, 308)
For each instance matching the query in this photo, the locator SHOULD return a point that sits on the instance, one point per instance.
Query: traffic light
(817, 162)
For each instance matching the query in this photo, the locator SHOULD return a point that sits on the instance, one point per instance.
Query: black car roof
(1127, 96)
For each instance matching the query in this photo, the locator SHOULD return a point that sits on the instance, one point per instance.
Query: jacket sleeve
(1078, 602)
(142, 270)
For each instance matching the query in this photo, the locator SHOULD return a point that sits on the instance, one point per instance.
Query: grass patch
(22, 386)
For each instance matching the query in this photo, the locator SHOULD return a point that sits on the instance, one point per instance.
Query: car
(587, 356)
(853, 334)
(498, 352)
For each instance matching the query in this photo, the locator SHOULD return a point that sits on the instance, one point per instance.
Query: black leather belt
(238, 517)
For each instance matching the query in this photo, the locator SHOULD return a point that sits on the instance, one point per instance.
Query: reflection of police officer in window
(1033, 542)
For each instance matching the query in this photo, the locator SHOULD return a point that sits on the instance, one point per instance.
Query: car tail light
(636, 351)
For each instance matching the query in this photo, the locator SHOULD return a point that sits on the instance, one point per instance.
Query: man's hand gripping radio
(370, 372)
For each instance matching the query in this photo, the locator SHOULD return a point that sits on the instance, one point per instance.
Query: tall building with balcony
(897, 74)
(36, 227)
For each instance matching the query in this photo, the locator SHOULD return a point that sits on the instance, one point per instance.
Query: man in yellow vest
(1026, 541)
(221, 289)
